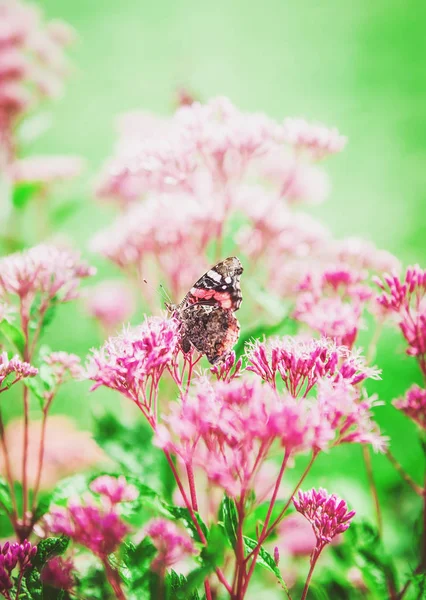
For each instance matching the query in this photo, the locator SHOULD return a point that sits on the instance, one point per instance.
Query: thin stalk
(41, 453)
(373, 488)
(113, 579)
(8, 468)
(25, 457)
(405, 476)
(314, 560)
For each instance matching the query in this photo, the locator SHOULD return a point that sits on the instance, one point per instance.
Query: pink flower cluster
(98, 528)
(406, 298)
(32, 59)
(413, 404)
(138, 357)
(15, 366)
(327, 514)
(53, 272)
(302, 363)
(58, 573)
(12, 556)
(172, 544)
(64, 366)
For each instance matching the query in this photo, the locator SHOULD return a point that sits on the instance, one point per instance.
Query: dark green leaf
(5, 497)
(229, 517)
(265, 560)
(13, 335)
(48, 548)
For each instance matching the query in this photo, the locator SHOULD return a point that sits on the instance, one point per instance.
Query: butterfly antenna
(165, 295)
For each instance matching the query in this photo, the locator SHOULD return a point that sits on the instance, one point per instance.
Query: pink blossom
(100, 529)
(172, 544)
(45, 169)
(327, 514)
(316, 138)
(413, 405)
(115, 489)
(348, 414)
(58, 573)
(11, 556)
(15, 366)
(295, 536)
(229, 368)
(227, 429)
(131, 361)
(53, 272)
(110, 302)
(362, 254)
(63, 366)
(407, 299)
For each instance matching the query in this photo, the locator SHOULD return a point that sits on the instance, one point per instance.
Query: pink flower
(413, 405)
(343, 409)
(45, 169)
(115, 489)
(110, 302)
(407, 299)
(229, 368)
(172, 545)
(362, 254)
(53, 272)
(295, 536)
(227, 429)
(327, 514)
(316, 138)
(63, 366)
(100, 529)
(11, 556)
(58, 573)
(15, 366)
(131, 361)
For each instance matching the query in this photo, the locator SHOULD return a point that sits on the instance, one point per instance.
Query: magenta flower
(227, 429)
(407, 299)
(172, 544)
(115, 489)
(15, 366)
(58, 573)
(111, 303)
(316, 138)
(413, 405)
(228, 369)
(135, 360)
(53, 272)
(11, 556)
(327, 514)
(100, 529)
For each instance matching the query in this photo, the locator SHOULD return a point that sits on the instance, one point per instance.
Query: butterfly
(206, 314)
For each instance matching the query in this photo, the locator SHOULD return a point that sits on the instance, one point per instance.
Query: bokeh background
(360, 67)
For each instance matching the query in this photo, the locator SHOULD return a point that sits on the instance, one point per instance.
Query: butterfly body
(206, 313)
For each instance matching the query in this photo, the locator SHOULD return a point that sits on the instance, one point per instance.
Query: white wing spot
(224, 286)
(214, 275)
(228, 279)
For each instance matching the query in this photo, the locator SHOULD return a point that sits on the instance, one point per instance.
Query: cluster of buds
(14, 556)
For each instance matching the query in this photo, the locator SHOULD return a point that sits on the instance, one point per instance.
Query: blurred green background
(359, 66)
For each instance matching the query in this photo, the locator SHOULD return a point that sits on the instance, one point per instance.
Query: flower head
(115, 489)
(63, 366)
(316, 138)
(172, 544)
(327, 514)
(58, 573)
(12, 556)
(15, 366)
(413, 405)
(129, 362)
(100, 529)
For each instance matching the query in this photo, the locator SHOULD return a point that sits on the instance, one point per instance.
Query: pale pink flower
(413, 405)
(45, 169)
(348, 412)
(98, 528)
(115, 489)
(172, 544)
(64, 366)
(68, 450)
(110, 302)
(316, 138)
(135, 359)
(327, 514)
(53, 272)
(406, 298)
(362, 254)
(14, 555)
(15, 367)
(295, 536)
(58, 573)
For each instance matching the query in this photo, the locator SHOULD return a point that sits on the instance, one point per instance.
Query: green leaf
(183, 514)
(13, 335)
(35, 386)
(6, 504)
(265, 560)
(48, 548)
(229, 517)
(22, 194)
(43, 506)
